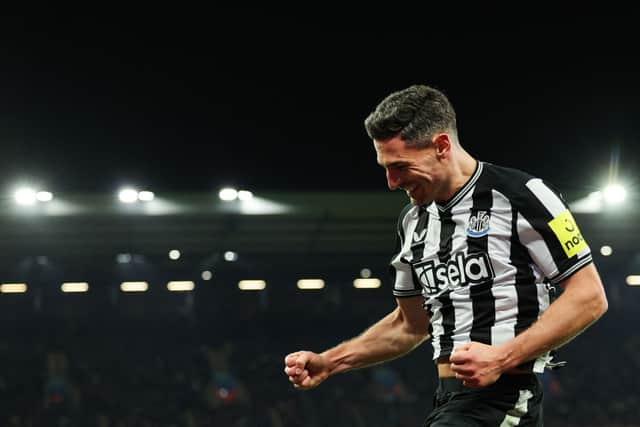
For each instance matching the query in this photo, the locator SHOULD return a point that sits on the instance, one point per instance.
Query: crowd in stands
(222, 365)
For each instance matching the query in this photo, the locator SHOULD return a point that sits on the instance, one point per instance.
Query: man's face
(418, 171)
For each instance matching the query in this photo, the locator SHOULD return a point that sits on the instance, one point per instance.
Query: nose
(392, 180)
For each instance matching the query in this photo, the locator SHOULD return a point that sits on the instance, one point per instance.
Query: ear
(442, 143)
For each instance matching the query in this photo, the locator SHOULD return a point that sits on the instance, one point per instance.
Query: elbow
(603, 305)
(598, 305)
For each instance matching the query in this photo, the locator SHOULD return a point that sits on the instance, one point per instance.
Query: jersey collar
(458, 195)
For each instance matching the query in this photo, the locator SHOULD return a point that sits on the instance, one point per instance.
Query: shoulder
(408, 208)
(517, 184)
(505, 176)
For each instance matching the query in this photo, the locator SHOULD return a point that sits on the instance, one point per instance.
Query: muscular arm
(581, 304)
(394, 335)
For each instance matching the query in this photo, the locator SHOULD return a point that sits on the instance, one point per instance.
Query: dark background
(183, 101)
(275, 101)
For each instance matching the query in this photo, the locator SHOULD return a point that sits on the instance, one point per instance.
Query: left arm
(581, 304)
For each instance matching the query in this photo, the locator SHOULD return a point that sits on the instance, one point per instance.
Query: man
(480, 247)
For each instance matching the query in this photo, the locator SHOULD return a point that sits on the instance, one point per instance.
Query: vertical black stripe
(418, 240)
(447, 227)
(526, 289)
(482, 300)
(419, 237)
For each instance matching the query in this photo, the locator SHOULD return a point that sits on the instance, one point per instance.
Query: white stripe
(506, 300)
(436, 328)
(543, 304)
(460, 300)
(503, 290)
(543, 297)
(537, 248)
(404, 285)
(548, 198)
(519, 410)
(404, 279)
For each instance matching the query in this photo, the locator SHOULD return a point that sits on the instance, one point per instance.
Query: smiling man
(480, 250)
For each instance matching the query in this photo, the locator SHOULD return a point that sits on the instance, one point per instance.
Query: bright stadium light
(146, 196)
(134, 286)
(228, 194)
(245, 195)
(252, 285)
(25, 196)
(606, 250)
(174, 254)
(180, 285)
(206, 275)
(366, 283)
(633, 280)
(13, 288)
(230, 256)
(614, 194)
(128, 195)
(68, 287)
(44, 196)
(310, 284)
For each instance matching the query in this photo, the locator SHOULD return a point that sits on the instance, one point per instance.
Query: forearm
(387, 339)
(573, 312)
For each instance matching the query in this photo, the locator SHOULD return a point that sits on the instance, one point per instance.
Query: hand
(305, 369)
(477, 364)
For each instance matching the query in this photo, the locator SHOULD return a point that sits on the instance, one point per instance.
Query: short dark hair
(415, 114)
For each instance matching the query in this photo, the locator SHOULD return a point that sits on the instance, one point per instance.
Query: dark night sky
(179, 105)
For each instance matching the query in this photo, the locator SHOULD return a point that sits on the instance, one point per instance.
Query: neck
(462, 167)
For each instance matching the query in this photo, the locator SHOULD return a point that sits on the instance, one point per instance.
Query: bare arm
(580, 305)
(394, 335)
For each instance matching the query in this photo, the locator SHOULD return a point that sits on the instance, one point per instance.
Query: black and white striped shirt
(485, 262)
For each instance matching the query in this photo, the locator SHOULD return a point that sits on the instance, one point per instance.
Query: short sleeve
(549, 231)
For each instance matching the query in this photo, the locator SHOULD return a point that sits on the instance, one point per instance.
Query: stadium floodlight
(206, 275)
(230, 256)
(174, 254)
(245, 195)
(128, 195)
(310, 284)
(365, 273)
(633, 280)
(614, 194)
(146, 196)
(25, 196)
(252, 285)
(228, 194)
(44, 196)
(13, 288)
(134, 286)
(366, 283)
(606, 250)
(180, 285)
(68, 287)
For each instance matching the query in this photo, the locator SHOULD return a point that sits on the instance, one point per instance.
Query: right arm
(396, 334)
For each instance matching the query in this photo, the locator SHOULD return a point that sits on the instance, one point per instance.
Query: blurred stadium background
(81, 348)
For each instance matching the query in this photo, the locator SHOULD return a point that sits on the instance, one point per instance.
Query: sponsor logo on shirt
(567, 232)
(460, 271)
